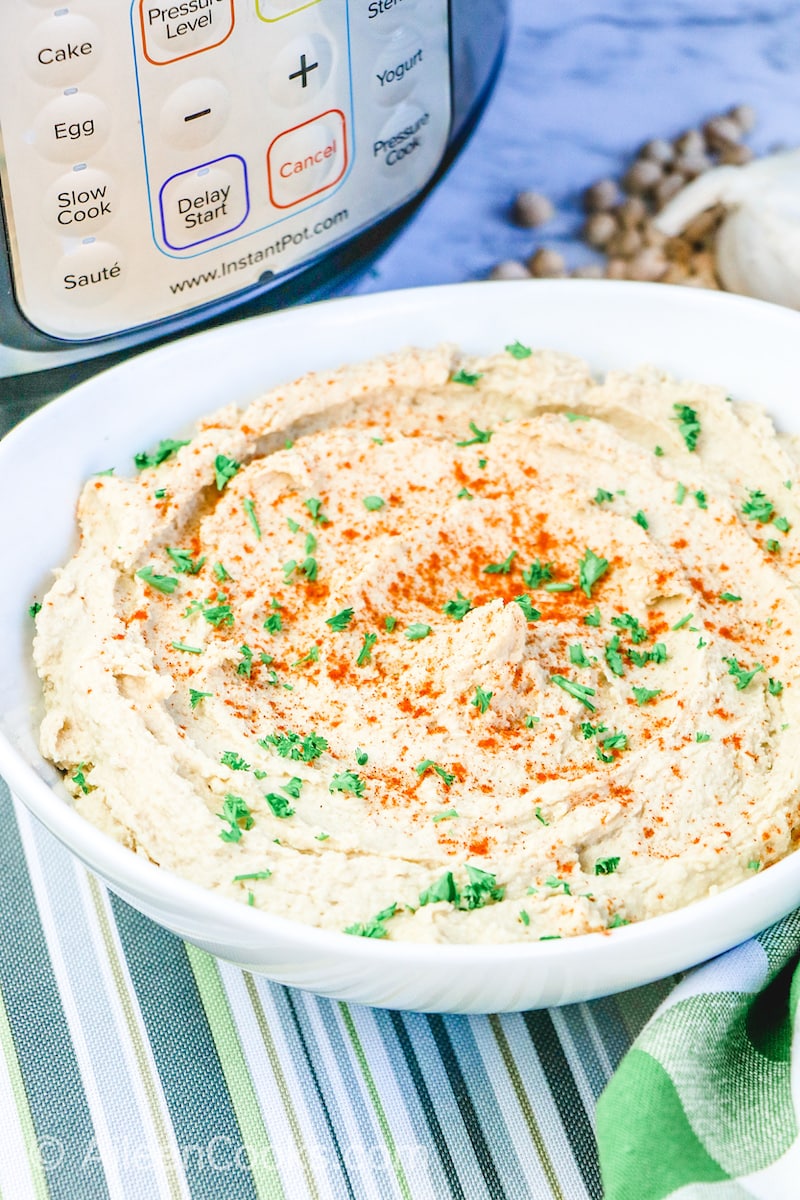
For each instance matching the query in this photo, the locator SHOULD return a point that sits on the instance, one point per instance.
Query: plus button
(305, 70)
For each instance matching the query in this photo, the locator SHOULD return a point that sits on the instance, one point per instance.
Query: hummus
(442, 649)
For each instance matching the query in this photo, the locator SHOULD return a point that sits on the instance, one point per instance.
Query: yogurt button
(400, 65)
(62, 50)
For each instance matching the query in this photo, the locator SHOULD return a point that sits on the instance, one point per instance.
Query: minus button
(204, 112)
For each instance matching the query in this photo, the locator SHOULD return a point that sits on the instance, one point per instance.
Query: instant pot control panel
(164, 154)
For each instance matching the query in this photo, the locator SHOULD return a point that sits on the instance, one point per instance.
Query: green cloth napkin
(704, 1104)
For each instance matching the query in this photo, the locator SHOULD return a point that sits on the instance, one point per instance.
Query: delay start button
(307, 159)
(205, 202)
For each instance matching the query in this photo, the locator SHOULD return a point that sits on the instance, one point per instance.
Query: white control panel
(162, 154)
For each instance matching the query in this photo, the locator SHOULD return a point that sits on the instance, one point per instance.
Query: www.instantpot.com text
(254, 257)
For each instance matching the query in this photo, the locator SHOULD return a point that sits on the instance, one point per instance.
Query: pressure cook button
(80, 202)
(398, 68)
(300, 70)
(401, 138)
(204, 203)
(308, 159)
(195, 113)
(72, 126)
(62, 50)
(92, 273)
(171, 31)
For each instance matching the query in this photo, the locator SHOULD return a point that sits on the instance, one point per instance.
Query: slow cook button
(92, 273)
(397, 69)
(80, 202)
(174, 31)
(62, 50)
(401, 138)
(205, 202)
(308, 159)
(72, 126)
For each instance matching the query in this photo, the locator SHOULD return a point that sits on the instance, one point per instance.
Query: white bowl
(751, 349)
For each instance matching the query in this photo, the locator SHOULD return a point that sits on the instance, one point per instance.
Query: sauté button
(72, 126)
(308, 159)
(62, 50)
(205, 202)
(91, 273)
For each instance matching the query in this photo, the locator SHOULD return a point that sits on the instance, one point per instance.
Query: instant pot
(171, 163)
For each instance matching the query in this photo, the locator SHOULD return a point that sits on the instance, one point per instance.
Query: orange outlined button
(307, 159)
(175, 30)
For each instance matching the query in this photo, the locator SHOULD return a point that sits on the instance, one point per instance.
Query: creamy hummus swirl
(442, 649)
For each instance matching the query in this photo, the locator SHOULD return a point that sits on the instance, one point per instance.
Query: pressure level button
(175, 29)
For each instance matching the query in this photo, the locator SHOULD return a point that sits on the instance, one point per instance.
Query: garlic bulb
(758, 244)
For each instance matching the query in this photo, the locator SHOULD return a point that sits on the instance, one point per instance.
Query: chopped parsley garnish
(593, 618)
(773, 545)
(680, 492)
(195, 697)
(531, 720)
(166, 448)
(517, 350)
(292, 745)
(731, 597)
(683, 621)
(702, 737)
(480, 437)
(347, 781)
(613, 656)
(245, 667)
(610, 741)
(606, 866)
(34, 609)
(774, 686)
(559, 586)
(701, 499)
(592, 569)
(311, 543)
(643, 695)
(375, 928)
(79, 778)
(224, 470)
(237, 813)
(444, 889)
(524, 917)
(250, 511)
(658, 451)
(417, 631)
(465, 494)
(362, 758)
(537, 574)
(540, 816)
(641, 520)
(740, 674)
(427, 764)
(578, 691)
(458, 608)
(448, 815)
(321, 837)
(617, 921)
(390, 624)
(293, 525)
(373, 503)
(481, 700)
(293, 787)
(501, 568)
(365, 653)
(754, 865)
(640, 658)
(314, 506)
(183, 561)
(217, 614)
(220, 572)
(160, 493)
(577, 656)
(576, 416)
(601, 495)
(558, 884)
(187, 649)
(481, 890)
(233, 760)
(758, 507)
(462, 376)
(341, 620)
(637, 630)
(526, 604)
(274, 623)
(482, 462)
(162, 583)
(311, 655)
(688, 425)
(265, 874)
(782, 524)
(279, 805)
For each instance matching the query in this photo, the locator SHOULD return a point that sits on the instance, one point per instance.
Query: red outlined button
(307, 159)
(172, 31)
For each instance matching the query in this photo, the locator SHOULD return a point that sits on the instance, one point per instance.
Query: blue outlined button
(204, 203)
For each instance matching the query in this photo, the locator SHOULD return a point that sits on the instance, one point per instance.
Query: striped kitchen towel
(133, 1066)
